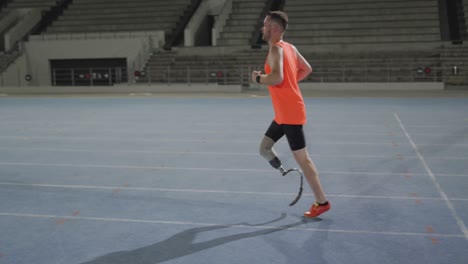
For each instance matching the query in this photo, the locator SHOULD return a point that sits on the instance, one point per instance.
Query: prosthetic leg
(267, 152)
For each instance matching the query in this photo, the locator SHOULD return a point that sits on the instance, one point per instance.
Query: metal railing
(240, 74)
(194, 74)
(88, 76)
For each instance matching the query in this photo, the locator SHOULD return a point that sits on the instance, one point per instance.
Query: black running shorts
(294, 134)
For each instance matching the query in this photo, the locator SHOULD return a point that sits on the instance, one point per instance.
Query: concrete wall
(122, 89)
(39, 50)
(7, 19)
(14, 74)
(207, 7)
(28, 19)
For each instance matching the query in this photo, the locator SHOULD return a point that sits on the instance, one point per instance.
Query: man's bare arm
(275, 61)
(303, 67)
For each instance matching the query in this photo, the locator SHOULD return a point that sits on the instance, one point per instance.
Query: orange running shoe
(316, 209)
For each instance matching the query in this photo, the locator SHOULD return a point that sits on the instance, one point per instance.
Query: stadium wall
(38, 51)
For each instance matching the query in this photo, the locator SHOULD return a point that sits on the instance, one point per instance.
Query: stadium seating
(455, 65)
(235, 68)
(119, 15)
(327, 32)
(7, 58)
(43, 4)
(322, 23)
(230, 68)
(465, 11)
(241, 24)
(364, 21)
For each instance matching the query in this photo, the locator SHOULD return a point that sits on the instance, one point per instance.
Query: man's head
(274, 25)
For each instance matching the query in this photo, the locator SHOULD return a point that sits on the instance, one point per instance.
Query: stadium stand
(455, 65)
(390, 66)
(15, 12)
(235, 68)
(363, 21)
(42, 4)
(119, 15)
(9, 18)
(344, 40)
(323, 23)
(7, 58)
(242, 22)
(465, 12)
(227, 68)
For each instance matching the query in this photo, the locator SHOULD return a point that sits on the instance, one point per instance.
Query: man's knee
(267, 152)
(301, 156)
(263, 150)
(266, 148)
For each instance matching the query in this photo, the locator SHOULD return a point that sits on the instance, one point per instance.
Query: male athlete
(284, 68)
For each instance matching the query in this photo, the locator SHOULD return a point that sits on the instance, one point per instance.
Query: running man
(284, 68)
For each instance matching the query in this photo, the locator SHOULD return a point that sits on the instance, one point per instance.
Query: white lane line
(389, 173)
(371, 173)
(266, 227)
(120, 122)
(41, 185)
(127, 167)
(160, 139)
(186, 152)
(146, 131)
(447, 144)
(451, 207)
(106, 120)
(452, 175)
(126, 139)
(190, 152)
(132, 151)
(172, 131)
(217, 153)
(30, 164)
(206, 140)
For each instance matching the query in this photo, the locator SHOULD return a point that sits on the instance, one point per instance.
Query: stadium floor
(178, 179)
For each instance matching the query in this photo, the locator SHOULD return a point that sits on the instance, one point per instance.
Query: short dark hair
(279, 17)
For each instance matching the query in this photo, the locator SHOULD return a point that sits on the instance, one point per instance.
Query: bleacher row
(43, 4)
(465, 12)
(235, 68)
(362, 21)
(119, 15)
(312, 24)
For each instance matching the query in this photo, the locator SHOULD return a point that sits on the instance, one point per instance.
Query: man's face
(266, 29)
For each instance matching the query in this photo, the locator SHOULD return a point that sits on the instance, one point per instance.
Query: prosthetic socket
(267, 151)
(276, 163)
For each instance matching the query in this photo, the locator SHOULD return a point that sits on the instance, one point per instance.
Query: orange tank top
(286, 97)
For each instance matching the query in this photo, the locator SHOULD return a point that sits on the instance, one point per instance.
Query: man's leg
(321, 205)
(310, 173)
(296, 139)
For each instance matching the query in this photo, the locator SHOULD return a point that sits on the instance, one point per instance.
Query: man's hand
(254, 75)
